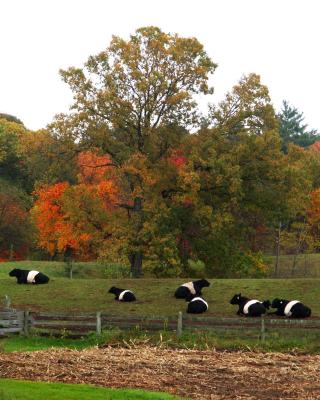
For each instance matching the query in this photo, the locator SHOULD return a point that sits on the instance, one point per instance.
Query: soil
(188, 373)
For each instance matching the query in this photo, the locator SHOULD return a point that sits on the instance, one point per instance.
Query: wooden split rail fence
(11, 321)
(16, 321)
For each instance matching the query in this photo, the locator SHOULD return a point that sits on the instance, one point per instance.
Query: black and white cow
(27, 276)
(248, 307)
(122, 294)
(196, 305)
(291, 308)
(191, 288)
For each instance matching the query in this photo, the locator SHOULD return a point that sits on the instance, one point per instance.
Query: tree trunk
(136, 257)
(294, 264)
(136, 264)
(298, 249)
(11, 252)
(68, 259)
(305, 264)
(276, 267)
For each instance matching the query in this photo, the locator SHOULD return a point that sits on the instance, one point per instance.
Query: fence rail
(11, 321)
(82, 324)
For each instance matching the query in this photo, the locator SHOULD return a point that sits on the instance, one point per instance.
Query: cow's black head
(203, 283)
(277, 303)
(236, 299)
(15, 272)
(112, 289)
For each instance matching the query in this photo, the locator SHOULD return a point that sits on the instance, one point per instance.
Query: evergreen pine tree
(293, 129)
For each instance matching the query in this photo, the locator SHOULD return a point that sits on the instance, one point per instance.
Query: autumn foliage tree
(139, 85)
(76, 217)
(313, 214)
(11, 167)
(49, 219)
(16, 234)
(125, 180)
(133, 100)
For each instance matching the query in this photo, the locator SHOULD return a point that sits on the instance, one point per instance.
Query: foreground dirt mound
(190, 373)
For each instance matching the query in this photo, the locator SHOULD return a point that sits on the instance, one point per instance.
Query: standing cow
(191, 288)
(122, 294)
(248, 307)
(291, 308)
(27, 276)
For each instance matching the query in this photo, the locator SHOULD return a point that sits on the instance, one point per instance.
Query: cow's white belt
(248, 304)
(190, 286)
(123, 293)
(31, 276)
(287, 309)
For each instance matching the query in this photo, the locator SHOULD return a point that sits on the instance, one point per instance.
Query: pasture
(156, 362)
(154, 296)
(301, 266)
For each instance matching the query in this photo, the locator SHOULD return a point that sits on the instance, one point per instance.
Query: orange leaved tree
(75, 219)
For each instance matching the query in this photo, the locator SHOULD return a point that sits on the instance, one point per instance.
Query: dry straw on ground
(190, 373)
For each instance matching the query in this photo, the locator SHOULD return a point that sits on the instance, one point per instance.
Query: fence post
(98, 324)
(263, 330)
(71, 270)
(179, 324)
(26, 322)
(7, 302)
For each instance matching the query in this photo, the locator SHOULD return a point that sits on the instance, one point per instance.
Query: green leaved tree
(293, 129)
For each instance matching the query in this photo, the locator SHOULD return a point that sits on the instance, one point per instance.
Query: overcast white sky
(278, 39)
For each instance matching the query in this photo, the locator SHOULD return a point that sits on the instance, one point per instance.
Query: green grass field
(154, 296)
(292, 340)
(306, 266)
(24, 390)
(56, 269)
(35, 343)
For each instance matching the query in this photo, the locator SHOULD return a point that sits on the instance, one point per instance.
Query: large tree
(135, 101)
(136, 86)
(244, 178)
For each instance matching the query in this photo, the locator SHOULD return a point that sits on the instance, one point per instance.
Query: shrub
(250, 265)
(196, 268)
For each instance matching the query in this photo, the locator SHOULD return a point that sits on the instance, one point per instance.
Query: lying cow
(248, 307)
(122, 294)
(196, 305)
(292, 308)
(27, 276)
(191, 288)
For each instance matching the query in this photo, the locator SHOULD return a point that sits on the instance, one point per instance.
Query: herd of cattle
(192, 293)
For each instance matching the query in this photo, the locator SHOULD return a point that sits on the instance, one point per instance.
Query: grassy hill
(155, 296)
